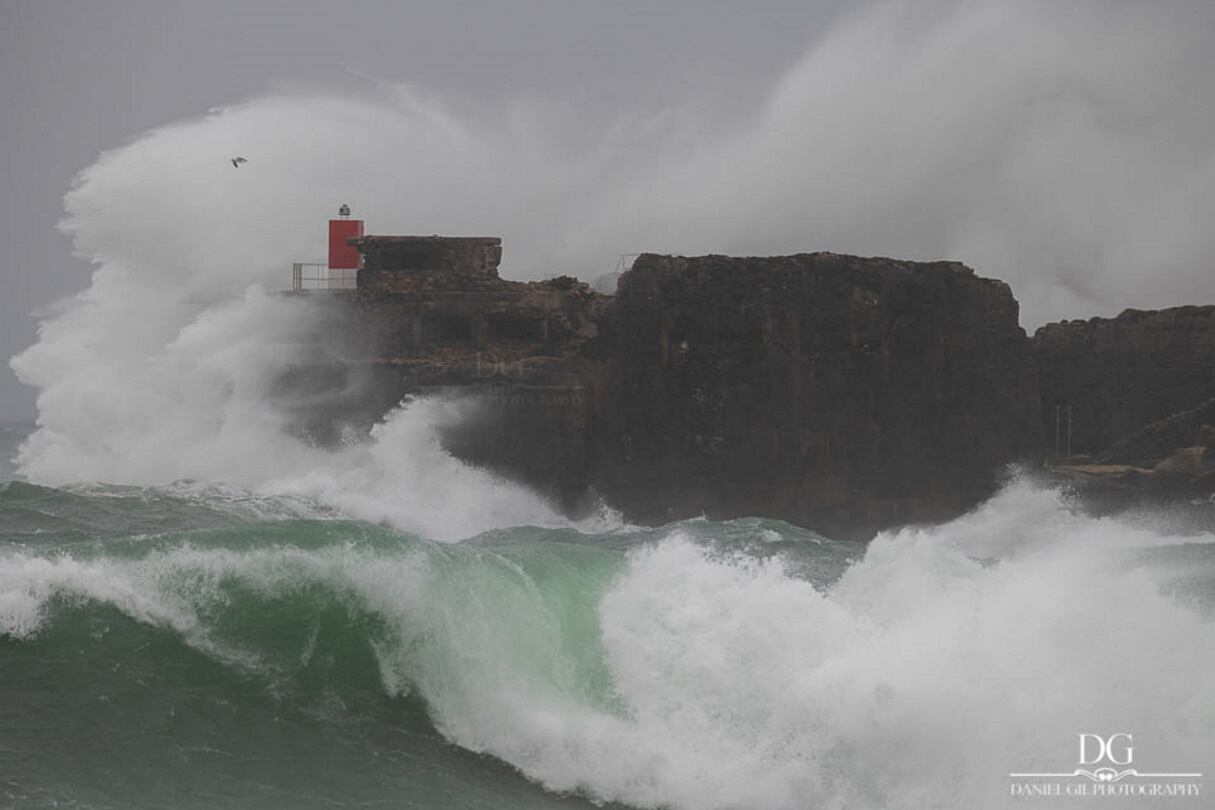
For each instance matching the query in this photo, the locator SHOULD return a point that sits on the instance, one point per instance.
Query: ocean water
(197, 646)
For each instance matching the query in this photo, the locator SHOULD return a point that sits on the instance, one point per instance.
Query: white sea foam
(921, 678)
(403, 477)
(188, 396)
(28, 583)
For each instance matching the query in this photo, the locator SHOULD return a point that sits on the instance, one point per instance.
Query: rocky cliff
(1121, 374)
(836, 392)
(1140, 390)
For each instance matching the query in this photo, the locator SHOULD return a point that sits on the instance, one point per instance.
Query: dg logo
(1116, 749)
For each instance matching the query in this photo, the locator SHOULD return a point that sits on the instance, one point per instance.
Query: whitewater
(170, 646)
(203, 606)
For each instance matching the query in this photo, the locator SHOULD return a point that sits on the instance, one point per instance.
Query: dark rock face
(1121, 374)
(836, 392)
(839, 393)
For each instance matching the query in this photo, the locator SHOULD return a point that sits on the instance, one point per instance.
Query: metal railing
(320, 276)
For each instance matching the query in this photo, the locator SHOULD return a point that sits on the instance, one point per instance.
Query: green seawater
(269, 695)
(188, 649)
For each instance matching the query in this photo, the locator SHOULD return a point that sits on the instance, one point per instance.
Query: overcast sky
(80, 77)
(1064, 119)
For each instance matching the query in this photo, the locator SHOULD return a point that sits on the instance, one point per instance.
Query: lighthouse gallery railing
(320, 276)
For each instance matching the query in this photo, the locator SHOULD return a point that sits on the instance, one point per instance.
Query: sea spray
(703, 665)
(161, 369)
(403, 477)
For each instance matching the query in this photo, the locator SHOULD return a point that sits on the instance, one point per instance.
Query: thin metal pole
(1069, 430)
(1057, 436)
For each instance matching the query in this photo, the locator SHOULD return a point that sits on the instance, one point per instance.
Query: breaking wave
(701, 665)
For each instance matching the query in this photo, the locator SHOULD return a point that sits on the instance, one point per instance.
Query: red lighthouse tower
(341, 255)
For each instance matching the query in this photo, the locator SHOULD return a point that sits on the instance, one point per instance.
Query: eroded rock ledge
(841, 393)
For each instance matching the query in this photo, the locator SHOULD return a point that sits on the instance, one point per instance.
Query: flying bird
(236, 161)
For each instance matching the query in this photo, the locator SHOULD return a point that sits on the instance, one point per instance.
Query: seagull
(236, 161)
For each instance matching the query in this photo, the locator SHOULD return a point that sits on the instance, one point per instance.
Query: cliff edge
(842, 393)
(1121, 374)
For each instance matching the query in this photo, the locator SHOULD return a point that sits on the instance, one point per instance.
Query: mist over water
(11, 436)
(188, 583)
(1060, 147)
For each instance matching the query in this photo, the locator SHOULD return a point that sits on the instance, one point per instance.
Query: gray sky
(79, 77)
(1065, 146)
